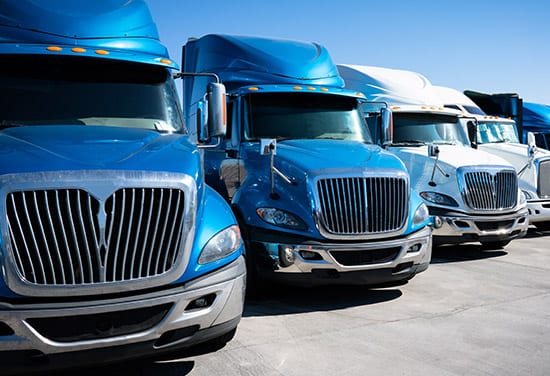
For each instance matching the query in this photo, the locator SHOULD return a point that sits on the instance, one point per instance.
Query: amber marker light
(253, 88)
(311, 88)
(324, 89)
(54, 48)
(297, 88)
(166, 61)
(78, 49)
(102, 52)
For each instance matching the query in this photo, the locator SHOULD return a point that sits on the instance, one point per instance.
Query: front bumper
(539, 211)
(458, 228)
(377, 262)
(33, 336)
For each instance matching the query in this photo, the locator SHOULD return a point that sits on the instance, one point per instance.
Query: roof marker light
(359, 94)
(54, 48)
(395, 108)
(166, 61)
(102, 52)
(311, 88)
(78, 49)
(324, 89)
(297, 88)
(253, 88)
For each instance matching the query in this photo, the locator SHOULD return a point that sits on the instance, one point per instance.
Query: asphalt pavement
(473, 312)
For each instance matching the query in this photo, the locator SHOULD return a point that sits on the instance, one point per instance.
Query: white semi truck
(499, 136)
(472, 195)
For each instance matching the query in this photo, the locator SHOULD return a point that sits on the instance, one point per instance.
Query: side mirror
(217, 110)
(531, 142)
(268, 146)
(387, 126)
(471, 126)
(433, 150)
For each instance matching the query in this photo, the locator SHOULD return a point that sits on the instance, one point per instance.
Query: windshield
(59, 90)
(495, 132)
(304, 116)
(424, 128)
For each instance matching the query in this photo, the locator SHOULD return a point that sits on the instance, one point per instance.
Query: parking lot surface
(473, 312)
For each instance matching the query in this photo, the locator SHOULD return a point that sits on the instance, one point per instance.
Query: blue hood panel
(42, 148)
(327, 154)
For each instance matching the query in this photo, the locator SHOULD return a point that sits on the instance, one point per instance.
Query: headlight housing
(439, 198)
(281, 218)
(221, 245)
(421, 214)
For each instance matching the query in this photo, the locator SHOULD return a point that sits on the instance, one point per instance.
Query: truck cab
(318, 202)
(499, 136)
(112, 247)
(472, 195)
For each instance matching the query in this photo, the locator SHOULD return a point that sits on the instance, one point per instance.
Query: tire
(543, 226)
(499, 244)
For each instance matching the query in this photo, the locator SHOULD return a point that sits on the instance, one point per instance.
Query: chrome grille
(63, 237)
(489, 190)
(544, 180)
(362, 205)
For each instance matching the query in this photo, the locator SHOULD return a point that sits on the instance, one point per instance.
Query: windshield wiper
(409, 142)
(444, 143)
(4, 124)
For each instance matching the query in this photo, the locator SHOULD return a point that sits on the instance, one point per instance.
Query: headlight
(282, 218)
(439, 198)
(421, 214)
(221, 245)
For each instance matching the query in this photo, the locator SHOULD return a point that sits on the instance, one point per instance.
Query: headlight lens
(439, 198)
(221, 245)
(421, 214)
(282, 218)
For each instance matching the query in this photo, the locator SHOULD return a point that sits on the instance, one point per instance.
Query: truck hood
(54, 148)
(322, 156)
(451, 156)
(514, 153)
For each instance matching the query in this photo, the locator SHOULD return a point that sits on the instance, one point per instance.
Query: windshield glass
(424, 128)
(61, 90)
(494, 132)
(304, 116)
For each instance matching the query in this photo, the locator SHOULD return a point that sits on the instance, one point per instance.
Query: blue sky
(484, 45)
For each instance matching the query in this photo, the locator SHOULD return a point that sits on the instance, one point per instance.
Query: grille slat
(486, 190)
(57, 235)
(544, 181)
(362, 205)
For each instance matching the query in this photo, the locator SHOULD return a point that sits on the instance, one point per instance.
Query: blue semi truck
(536, 119)
(112, 246)
(317, 201)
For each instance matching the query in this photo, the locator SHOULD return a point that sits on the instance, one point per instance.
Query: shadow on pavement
(134, 368)
(463, 252)
(282, 299)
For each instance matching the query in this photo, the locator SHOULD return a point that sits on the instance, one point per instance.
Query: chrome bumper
(226, 285)
(460, 227)
(414, 249)
(539, 210)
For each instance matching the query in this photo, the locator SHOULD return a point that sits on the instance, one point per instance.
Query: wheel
(253, 280)
(499, 244)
